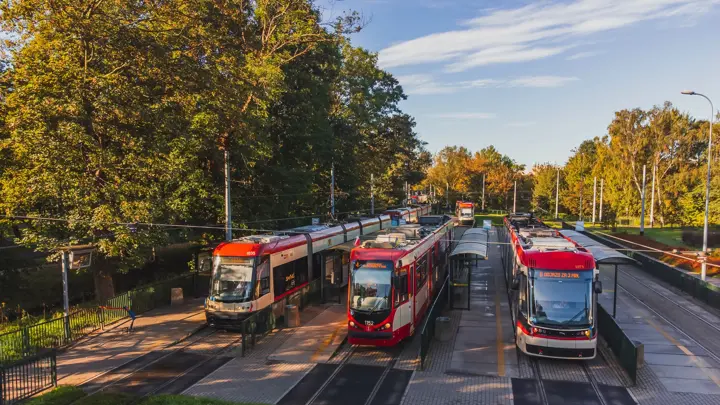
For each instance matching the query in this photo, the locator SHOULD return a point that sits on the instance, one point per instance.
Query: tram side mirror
(598, 287)
(205, 265)
(515, 285)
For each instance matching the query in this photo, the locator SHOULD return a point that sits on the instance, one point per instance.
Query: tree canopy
(119, 112)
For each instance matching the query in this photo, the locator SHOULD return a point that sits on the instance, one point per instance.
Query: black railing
(428, 329)
(624, 348)
(55, 333)
(259, 324)
(24, 378)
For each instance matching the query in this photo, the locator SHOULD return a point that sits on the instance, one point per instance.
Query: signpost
(72, 257)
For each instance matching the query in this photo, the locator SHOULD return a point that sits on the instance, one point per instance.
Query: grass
(497, 219)
(65, 395)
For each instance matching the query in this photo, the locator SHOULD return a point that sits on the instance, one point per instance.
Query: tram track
(593, 383)
(693, 314)
(111, 377)
(542, 394)
(363, 376)
(709, 351)
(171, 372)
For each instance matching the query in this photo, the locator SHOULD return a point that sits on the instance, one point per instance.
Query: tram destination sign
(558, 274)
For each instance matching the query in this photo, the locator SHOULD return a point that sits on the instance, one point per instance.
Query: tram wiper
(373, 308)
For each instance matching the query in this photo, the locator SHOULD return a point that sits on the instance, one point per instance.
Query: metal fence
(24, 378)
(624, 348)
(30, 340)
(259, 324)
(428, 330)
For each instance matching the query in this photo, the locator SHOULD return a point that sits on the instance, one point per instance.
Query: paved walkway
(254, 378)
(316, 341)
(113, 347)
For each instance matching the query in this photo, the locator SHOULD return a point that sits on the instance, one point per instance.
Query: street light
(703, 271)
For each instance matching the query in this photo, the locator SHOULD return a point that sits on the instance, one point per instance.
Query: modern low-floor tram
(554, 286)
(254, 272)
(394, 278)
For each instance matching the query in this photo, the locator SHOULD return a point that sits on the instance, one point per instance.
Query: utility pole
(557, 193)
(407, 194)
(66, 300)
(642, 206)
(601, 197)
(483, 193)
(652, 198)
(515, 198)
(228, 209)
(332, 189)
(372, 194)
(594, 195)
(447, 193)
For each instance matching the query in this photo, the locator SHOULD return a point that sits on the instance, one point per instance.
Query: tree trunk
(103, 281)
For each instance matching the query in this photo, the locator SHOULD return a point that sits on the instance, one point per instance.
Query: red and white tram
(555, 286)
(394, 278)
(253, 272)
(408, 215)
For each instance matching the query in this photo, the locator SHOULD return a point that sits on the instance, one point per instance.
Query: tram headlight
(352, 324)
(587, 333)
(387, 325)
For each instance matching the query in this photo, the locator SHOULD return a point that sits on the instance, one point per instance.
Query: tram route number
(558, 274)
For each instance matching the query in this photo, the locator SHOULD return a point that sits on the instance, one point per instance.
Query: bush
(694, 237)
(59, 396)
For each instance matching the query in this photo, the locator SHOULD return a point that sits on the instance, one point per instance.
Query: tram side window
(421, 271)
(290, 275)
(522, 300)
(401, 289)
(263, 285)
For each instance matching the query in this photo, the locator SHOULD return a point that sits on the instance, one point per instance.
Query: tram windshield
(371, 285)
(232, 278)
(561, 298)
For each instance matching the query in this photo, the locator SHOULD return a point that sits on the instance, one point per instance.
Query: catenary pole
(642, 206)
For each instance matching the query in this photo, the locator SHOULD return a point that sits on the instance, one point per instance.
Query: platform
(317, 341)
(484, 344)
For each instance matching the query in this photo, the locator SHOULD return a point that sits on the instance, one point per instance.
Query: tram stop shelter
(467, 253)
(602, 254)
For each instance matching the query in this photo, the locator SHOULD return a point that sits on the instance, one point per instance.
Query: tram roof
(602, 254)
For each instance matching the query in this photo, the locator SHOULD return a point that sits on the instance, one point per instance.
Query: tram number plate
(369, 323)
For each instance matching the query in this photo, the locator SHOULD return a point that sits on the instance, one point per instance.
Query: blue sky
(537, 78)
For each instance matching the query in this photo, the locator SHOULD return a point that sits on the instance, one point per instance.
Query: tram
(554, 285)
(394, 278)
(253, 272)
(465, 212)
(409, 214)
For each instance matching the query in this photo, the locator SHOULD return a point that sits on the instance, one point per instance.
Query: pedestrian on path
(130, 312)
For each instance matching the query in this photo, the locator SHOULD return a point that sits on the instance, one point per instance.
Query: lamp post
(703, 270)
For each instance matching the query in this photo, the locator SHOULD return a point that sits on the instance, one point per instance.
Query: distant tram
(253, 272)
(555, 285)
(465, 211)
(394, 278)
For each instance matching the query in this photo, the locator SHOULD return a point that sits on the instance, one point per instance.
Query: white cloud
(535, 31)
(582, 55)
(423, 84)
(540, 81)
(465, 116)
